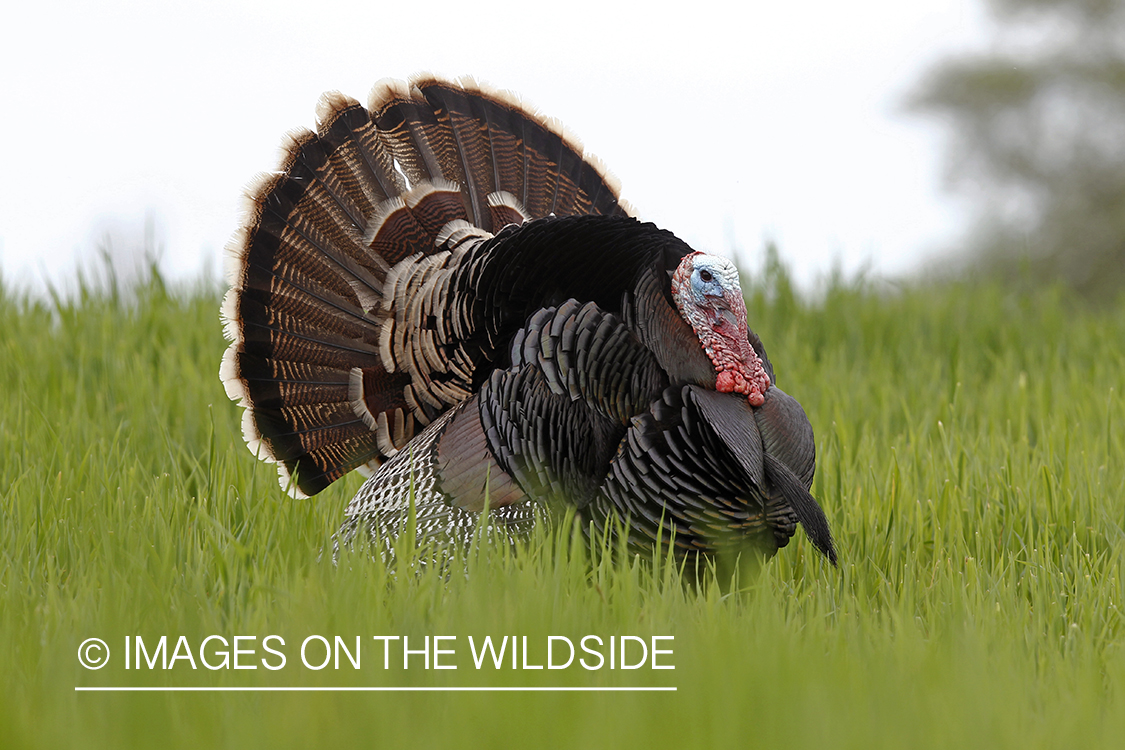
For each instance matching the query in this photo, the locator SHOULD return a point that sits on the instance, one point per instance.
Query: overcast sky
(727, 123)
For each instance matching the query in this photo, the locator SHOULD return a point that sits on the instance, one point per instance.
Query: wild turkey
(444, 290)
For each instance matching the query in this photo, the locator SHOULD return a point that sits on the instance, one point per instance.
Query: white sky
(727, 123)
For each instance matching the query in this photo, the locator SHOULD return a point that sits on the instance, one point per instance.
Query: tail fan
(373, 188)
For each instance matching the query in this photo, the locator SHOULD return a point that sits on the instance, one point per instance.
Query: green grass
(969, 445)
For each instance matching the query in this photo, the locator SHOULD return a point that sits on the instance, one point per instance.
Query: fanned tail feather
(372, 189)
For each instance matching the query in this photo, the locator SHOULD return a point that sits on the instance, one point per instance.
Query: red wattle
(732, 381)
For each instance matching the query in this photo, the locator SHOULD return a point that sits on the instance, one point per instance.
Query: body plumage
(442, 289)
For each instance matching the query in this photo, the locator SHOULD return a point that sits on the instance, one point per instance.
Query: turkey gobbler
(444, 290)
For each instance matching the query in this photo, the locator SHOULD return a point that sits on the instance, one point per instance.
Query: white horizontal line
(370, 689)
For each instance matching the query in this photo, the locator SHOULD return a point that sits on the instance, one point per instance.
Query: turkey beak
(727, 317)
(723, 312)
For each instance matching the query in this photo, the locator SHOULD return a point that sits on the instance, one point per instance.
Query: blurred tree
(1038, 141)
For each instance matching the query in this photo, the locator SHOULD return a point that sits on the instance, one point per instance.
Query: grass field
(970, 447)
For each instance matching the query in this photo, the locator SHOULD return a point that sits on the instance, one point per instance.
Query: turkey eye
(705, 275)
